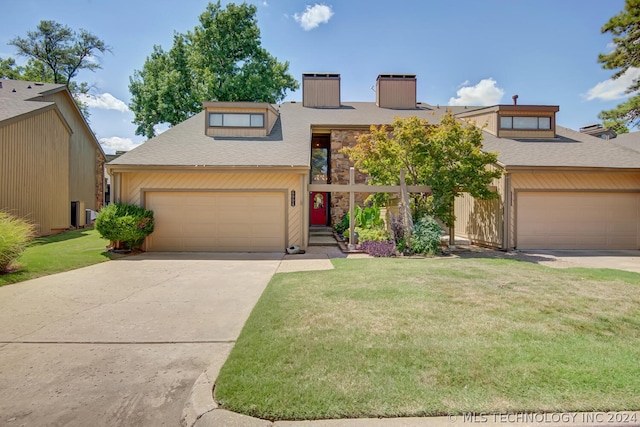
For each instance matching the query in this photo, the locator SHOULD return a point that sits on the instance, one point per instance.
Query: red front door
(319, 208)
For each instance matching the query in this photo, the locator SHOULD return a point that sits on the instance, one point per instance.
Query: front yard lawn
(419, 337)
(60, 252)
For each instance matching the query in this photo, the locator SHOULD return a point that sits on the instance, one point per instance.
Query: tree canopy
(56, 54)
(625, 28)
(221, 59)
(447, 156)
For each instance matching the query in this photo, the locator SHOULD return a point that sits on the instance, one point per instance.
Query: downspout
(506, 212)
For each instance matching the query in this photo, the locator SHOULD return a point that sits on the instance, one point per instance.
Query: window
(237, 120)
(528, 123)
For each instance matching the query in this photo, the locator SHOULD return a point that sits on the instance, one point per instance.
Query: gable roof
(629, 140)
(288, 145)
(31, 94)
(569, 149)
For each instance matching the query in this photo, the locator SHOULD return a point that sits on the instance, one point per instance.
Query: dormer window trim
(525, 122)
(218, 119)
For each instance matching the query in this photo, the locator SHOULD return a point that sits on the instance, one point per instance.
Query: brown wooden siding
(134, 184)
(83, 155)
(34, 171)
(568, 181)
(486, 122)
(321, 92)
(396, 92)
(481, 221)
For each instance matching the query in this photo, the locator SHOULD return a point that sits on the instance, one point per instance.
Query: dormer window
(236, 120)
(239, 119)
(525, 123)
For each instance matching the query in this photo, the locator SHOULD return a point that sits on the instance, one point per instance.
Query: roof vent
(0, 85)
(321, 90)
(14, 90)
(515, 99)
(396, 91)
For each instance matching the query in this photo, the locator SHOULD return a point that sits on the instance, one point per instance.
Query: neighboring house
(51, 165)
(598, 131)
(237, 176)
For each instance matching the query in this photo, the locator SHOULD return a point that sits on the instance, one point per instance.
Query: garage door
(574, 220)
(217, 221)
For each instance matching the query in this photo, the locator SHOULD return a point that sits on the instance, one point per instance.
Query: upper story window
(525, 123)
(236, 120)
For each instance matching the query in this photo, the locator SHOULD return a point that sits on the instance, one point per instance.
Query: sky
(463, 52)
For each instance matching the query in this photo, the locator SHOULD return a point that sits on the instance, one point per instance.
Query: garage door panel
(217, 221)
(575, 220)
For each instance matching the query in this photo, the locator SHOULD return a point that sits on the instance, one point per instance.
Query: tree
(221, 59)
(448, 157)
(56, 55)
(626, 31)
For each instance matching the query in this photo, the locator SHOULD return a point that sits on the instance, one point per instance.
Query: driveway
(628, 260)
(121, 343)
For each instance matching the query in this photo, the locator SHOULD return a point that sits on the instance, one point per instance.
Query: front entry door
(319, 208)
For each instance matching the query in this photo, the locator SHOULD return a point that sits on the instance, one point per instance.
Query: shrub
(15, 235)
(379, 249)
(425, 238)
(372, 234)
(343, 225)
(126, 223)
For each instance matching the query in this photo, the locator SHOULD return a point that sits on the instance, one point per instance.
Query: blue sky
(474, 52)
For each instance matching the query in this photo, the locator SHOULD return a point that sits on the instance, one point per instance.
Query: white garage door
(217, 221)
(575, 220)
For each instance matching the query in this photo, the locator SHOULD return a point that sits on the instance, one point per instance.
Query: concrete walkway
(123, 342)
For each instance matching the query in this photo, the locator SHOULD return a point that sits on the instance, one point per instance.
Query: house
(51, 165)
(239, 176)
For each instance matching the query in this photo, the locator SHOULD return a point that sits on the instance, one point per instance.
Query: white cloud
(106, 101)
(115, 143)
(486, 92)
(314, 16)
(610, 90)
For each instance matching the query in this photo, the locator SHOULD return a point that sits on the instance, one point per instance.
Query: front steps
(321, 236)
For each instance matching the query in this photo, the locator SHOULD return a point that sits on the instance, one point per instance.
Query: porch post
(352, 202)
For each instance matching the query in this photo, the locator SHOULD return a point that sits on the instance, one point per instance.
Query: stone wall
(100, 161)
(340, 165)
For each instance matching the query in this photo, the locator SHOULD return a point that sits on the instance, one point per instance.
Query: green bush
(126, 223)
(425, 238)
(372, 234)
(343, 225)
(15, 235)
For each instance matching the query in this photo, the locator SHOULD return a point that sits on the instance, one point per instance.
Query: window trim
(250, 115)
(550, 118)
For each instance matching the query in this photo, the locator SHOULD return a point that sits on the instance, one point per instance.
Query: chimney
(515, 99)
(396, 91)
(321, 90)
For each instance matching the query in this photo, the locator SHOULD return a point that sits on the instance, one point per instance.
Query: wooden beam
(365, 188)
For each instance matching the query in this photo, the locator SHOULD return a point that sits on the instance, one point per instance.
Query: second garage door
(217, 221)
(575, 220)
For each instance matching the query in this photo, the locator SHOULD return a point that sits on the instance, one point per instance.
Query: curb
(200, 400)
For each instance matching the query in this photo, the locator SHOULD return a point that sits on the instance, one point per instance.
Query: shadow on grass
(67, 235)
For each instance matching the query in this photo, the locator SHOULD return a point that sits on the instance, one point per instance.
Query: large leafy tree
(625, 28)
(56, 54)
(221, 59)
(447, 156)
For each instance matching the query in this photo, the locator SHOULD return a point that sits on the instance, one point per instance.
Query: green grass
(57, 253)
(411, 337)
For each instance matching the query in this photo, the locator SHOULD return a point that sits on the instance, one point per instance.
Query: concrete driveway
(620, 260)
(121, 343)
